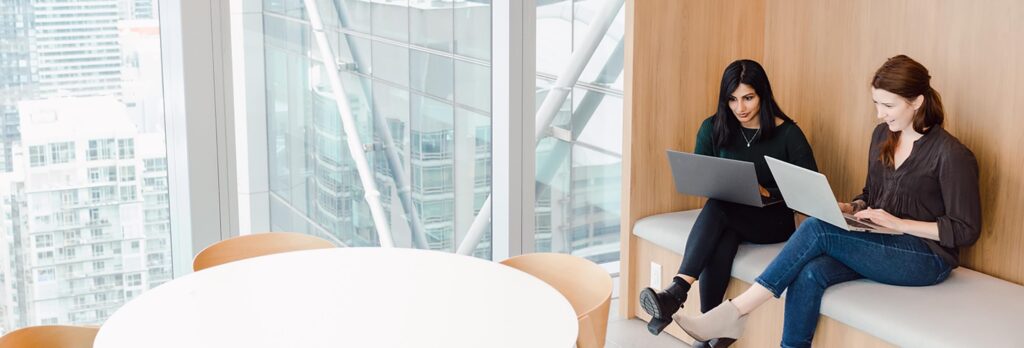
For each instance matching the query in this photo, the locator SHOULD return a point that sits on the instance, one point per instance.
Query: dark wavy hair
(751, 73)
(907, 78)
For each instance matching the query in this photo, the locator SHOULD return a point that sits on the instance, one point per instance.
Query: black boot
(714, 343)
(660, 305)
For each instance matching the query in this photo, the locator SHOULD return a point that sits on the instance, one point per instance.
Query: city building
(94, 213)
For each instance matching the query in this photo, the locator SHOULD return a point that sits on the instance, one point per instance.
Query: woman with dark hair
(747, 125)
(921, 181)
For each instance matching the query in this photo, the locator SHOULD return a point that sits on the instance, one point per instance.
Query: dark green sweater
(787, 143)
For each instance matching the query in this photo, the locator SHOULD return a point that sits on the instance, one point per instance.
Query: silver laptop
(719, 178)
(808, 192)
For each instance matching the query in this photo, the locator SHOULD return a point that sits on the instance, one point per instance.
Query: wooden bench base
(764, 328)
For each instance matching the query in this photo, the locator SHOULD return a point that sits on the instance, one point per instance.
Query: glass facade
(416, 76)
(83, 170)
(579, 159)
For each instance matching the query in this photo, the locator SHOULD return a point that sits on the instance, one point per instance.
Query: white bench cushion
(970, 309)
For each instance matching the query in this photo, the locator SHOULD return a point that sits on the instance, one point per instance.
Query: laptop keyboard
(857, 224)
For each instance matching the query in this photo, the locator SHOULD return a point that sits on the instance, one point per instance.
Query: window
(98, 266)
(44, 256)
(94, 175)
(127, 173)
(100, 149)
(155, 164)
(155, 184)
(46, 275)
(423, 72)
(102, 174)
(128, 193)
(126, 148)
(67, 218)
(102, 194)
(434, 180)
(95, 194)
(97, 250)
(62, 152)
(578, 177)
(37, 156)
(44, 240)
(69, 197)
(155, 215)
(133, 279)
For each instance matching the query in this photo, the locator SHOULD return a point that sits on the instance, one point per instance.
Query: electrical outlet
(655, 275)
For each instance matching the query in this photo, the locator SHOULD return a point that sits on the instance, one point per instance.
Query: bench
(970, 309)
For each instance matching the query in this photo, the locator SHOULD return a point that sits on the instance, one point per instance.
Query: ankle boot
(657, 325)
(660, 305)
(714, 343)
(724, 321)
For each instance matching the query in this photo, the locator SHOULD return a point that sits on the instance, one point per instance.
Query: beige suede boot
(724, 321)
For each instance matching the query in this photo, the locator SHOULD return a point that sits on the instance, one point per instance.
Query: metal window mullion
(513, 60)
(196, 86)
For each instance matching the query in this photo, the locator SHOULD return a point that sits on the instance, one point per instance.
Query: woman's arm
(705, 144)
(799, 150)
(958, 181)
(923, 229)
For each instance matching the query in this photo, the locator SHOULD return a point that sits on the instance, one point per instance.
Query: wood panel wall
(820, 56)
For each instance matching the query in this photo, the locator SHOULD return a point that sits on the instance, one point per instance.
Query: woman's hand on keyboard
(882, 218)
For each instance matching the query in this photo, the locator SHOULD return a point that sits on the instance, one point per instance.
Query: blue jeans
(819, 255)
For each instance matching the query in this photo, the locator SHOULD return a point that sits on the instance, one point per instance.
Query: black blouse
(937, 183)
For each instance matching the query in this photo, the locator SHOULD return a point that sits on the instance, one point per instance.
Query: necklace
(744, 134)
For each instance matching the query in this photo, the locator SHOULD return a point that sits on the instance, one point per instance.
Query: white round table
(347, 297)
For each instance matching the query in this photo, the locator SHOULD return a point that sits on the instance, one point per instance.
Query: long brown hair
(907, 78)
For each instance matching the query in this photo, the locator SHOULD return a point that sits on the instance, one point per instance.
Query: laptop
(808, 192)
(719, 178)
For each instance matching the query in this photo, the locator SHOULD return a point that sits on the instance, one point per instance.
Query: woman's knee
(813, 274)
(715, 205)
(814, 222)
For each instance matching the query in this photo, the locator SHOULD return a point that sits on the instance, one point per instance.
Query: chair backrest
(253, 245)
(587, 286)
(50, 336)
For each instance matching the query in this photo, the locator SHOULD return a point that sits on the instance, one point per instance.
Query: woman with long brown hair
(921, 181)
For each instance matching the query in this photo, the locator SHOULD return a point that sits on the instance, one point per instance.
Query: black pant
(718, 232)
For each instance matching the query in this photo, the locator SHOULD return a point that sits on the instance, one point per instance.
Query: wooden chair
(253, 245)
(50, 336)
(587, 286)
